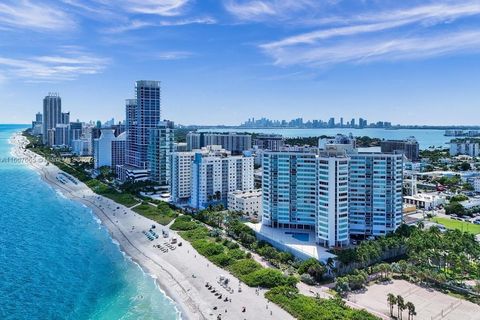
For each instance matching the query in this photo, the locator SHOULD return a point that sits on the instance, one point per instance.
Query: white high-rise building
(307, 191)
(181, 180)
(375, 193)
(160, 149)
(332, 200)
(215, 173)
(108, 150)
(338, 192)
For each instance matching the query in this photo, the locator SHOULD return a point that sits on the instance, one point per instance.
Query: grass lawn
(162, 216)
(460, 225)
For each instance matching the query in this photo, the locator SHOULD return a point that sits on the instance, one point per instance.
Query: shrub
(268, 278)
(244, 267)
(195, 234)
(222, 259)
(308, 308)
(207, 248)
(184, 223)
(236, 254)
(308, 279)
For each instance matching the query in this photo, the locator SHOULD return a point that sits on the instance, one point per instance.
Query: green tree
(392, 301)
(313, 267)
(455, 208)
(401, 306)
(411, 310)
(342, 285)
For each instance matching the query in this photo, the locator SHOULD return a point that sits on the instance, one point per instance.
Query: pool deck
(283, 241)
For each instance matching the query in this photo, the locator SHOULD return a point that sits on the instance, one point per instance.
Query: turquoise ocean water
(58, 262)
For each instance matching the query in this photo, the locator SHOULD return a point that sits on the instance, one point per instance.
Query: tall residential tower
(52, 115)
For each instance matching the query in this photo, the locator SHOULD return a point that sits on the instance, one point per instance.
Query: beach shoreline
(181, 273)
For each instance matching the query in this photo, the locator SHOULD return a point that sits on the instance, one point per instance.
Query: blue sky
(222, 61)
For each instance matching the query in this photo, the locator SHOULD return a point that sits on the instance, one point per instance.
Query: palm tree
(411, 309)
(330, 266)
(401, 306)
(392, 301)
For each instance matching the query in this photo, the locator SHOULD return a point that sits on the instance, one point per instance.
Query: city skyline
(220, 61)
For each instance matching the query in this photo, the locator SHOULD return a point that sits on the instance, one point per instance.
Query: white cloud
(410, 47)
(387, 36)
(427, 15)
(172, 55)
(68, 66)
(34, 16)
(140, 24)
(166, 8)
(258, 10)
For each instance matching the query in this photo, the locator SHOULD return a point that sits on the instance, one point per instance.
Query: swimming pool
(299, 236)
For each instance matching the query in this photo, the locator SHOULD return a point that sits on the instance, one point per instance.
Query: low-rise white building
(464, 147)
(471, 203)
(424, 200)
(247, 202)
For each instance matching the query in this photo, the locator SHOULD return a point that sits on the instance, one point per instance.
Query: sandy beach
(182, 273)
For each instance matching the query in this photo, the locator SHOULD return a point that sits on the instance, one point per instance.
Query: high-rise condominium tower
(160, 150)
(142, 115)
(52, 115)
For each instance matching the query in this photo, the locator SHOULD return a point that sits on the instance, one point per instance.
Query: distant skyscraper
(65, 117)
(409, 147)
(61, 135)
(234, 142)
(76, 130)
(331, 123)
(271, 142)
(52, 115)
(194, 141)
(37, 125)
(143, 114)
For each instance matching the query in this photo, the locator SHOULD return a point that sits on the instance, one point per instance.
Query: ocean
(58, 262)
(426, 137)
